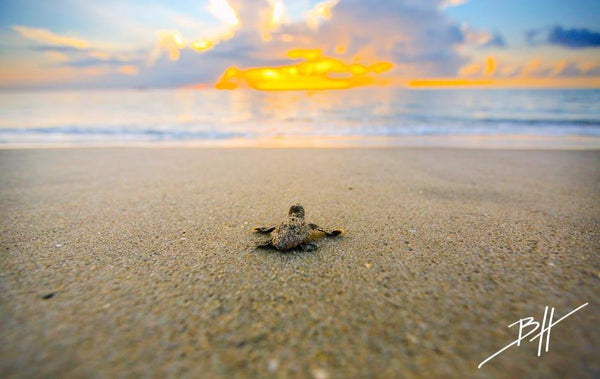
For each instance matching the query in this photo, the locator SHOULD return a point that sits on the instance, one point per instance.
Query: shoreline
(470, 142)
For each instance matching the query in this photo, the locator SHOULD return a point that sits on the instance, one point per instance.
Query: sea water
(368, 116)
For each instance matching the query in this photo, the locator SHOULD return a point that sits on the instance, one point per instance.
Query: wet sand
(139, 262)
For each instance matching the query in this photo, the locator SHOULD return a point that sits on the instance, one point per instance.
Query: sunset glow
(315, 72)
(201, 45)
(517, 82)
(337, 44)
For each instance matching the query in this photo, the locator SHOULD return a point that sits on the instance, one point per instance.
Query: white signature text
(543, 334)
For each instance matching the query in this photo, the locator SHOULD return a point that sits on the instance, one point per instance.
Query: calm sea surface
(362, 115)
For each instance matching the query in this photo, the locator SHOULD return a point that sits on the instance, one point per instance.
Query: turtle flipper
(328, 232)
(263, 229)
(335, 232)
(309, 246)
(265, 245)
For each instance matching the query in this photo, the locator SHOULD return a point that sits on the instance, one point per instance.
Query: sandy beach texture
(138, 262)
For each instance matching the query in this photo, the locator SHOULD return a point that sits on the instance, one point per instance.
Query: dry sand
(147, 253)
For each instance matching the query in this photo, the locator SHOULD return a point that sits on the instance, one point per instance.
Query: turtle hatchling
(295, 232)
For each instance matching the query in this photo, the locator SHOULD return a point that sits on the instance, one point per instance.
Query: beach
(139, 262)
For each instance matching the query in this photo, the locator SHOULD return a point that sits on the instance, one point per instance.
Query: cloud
(320, 12)
(67, 56)
(574, 38)
(452, 3)
(473, 69)
(95, 62)
(533, 37)
(48, 38)
(569, 38)
(534, 68)
(314, 72)
(223, 11)
(481, 38)
(170, 41)
(128, 70)
(570, 68)
(589, 68)
(487, 68)
(495, 41)
(56, 56)
(75, 53)
(62, 49)
(416, 36)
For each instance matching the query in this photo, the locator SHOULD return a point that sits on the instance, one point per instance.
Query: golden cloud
(316, 72)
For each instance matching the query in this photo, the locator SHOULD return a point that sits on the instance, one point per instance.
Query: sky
(298, 45)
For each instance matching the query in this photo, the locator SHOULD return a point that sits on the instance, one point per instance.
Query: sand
(139, 262)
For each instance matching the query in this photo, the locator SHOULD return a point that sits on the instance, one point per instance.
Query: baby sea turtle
(295, 232)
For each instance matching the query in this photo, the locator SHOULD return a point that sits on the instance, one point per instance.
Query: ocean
(368, 116)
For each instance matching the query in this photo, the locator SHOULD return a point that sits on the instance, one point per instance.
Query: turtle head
(296, 211)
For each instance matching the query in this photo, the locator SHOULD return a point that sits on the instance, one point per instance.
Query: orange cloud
(101, 55)
(56, 56)
(316, 72)
(470, 70)
(535, 74)
(30, 73)
(47, 37)
(517, 82)
(559, 67)
(509, 70)
(587, 66)
(128, 70)
(531, 67)
(447, 82)
(490, 66)
(477, 69)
